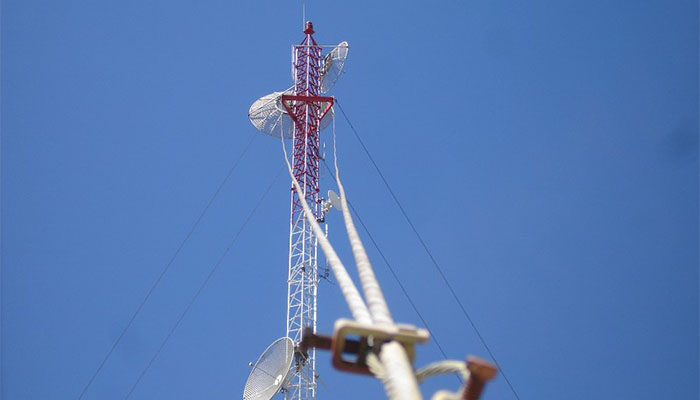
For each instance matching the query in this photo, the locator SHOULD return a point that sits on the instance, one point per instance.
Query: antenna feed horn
(352, 342)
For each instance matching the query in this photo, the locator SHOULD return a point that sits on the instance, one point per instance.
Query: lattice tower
(306, 109)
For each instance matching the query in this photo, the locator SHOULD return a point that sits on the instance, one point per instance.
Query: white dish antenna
(270, 117)
(334, 199)
(269, 373)
(332, 66)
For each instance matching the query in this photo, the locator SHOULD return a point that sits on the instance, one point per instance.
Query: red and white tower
(300, 113)
(306, 108)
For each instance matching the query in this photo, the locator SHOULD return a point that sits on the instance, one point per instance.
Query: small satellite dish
(269, 373)
(270, 117)
(334, 199)
(332, 66)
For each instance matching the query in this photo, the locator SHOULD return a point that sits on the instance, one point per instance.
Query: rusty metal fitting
(352, 342)
(480, 372)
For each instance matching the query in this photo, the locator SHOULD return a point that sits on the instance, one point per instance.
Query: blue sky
(546, 151)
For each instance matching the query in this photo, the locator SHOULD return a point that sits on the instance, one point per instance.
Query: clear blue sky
(547, 152)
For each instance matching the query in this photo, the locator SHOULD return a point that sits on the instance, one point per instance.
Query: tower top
(309, 30)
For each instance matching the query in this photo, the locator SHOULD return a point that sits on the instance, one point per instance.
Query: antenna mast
(305, 109)
(300, 114)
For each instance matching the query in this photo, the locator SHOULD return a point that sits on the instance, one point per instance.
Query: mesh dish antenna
(270, 117)
(332, 66)
(269, 374)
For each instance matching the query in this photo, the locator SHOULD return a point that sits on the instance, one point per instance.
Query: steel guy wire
(167, 267)
(204, 284)
(425, 247)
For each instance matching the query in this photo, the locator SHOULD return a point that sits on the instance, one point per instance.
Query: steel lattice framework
(306, 109)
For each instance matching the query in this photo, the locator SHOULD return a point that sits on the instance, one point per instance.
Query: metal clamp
(352, 341)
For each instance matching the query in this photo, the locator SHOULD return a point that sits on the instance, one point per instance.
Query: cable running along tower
(299, 113)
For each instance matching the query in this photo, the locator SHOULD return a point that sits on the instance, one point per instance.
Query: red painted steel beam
(307, 99)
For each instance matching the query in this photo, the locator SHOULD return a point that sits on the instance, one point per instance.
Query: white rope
(392, 366)
(398, 379)
(443, 367)
(447, 395)
(347, 287)
(375, 366)
(373, 292)
(430, 370)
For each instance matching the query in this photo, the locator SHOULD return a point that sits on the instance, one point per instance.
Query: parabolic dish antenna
(334, 199)
(332, 66)
(270, 117)
(269, 373)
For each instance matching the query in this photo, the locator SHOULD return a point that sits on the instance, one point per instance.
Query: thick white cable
(352, 296)
(398, 379)
(447, 395)
(393, 367)
(443, 367)
(430, 370)
(373, 292)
